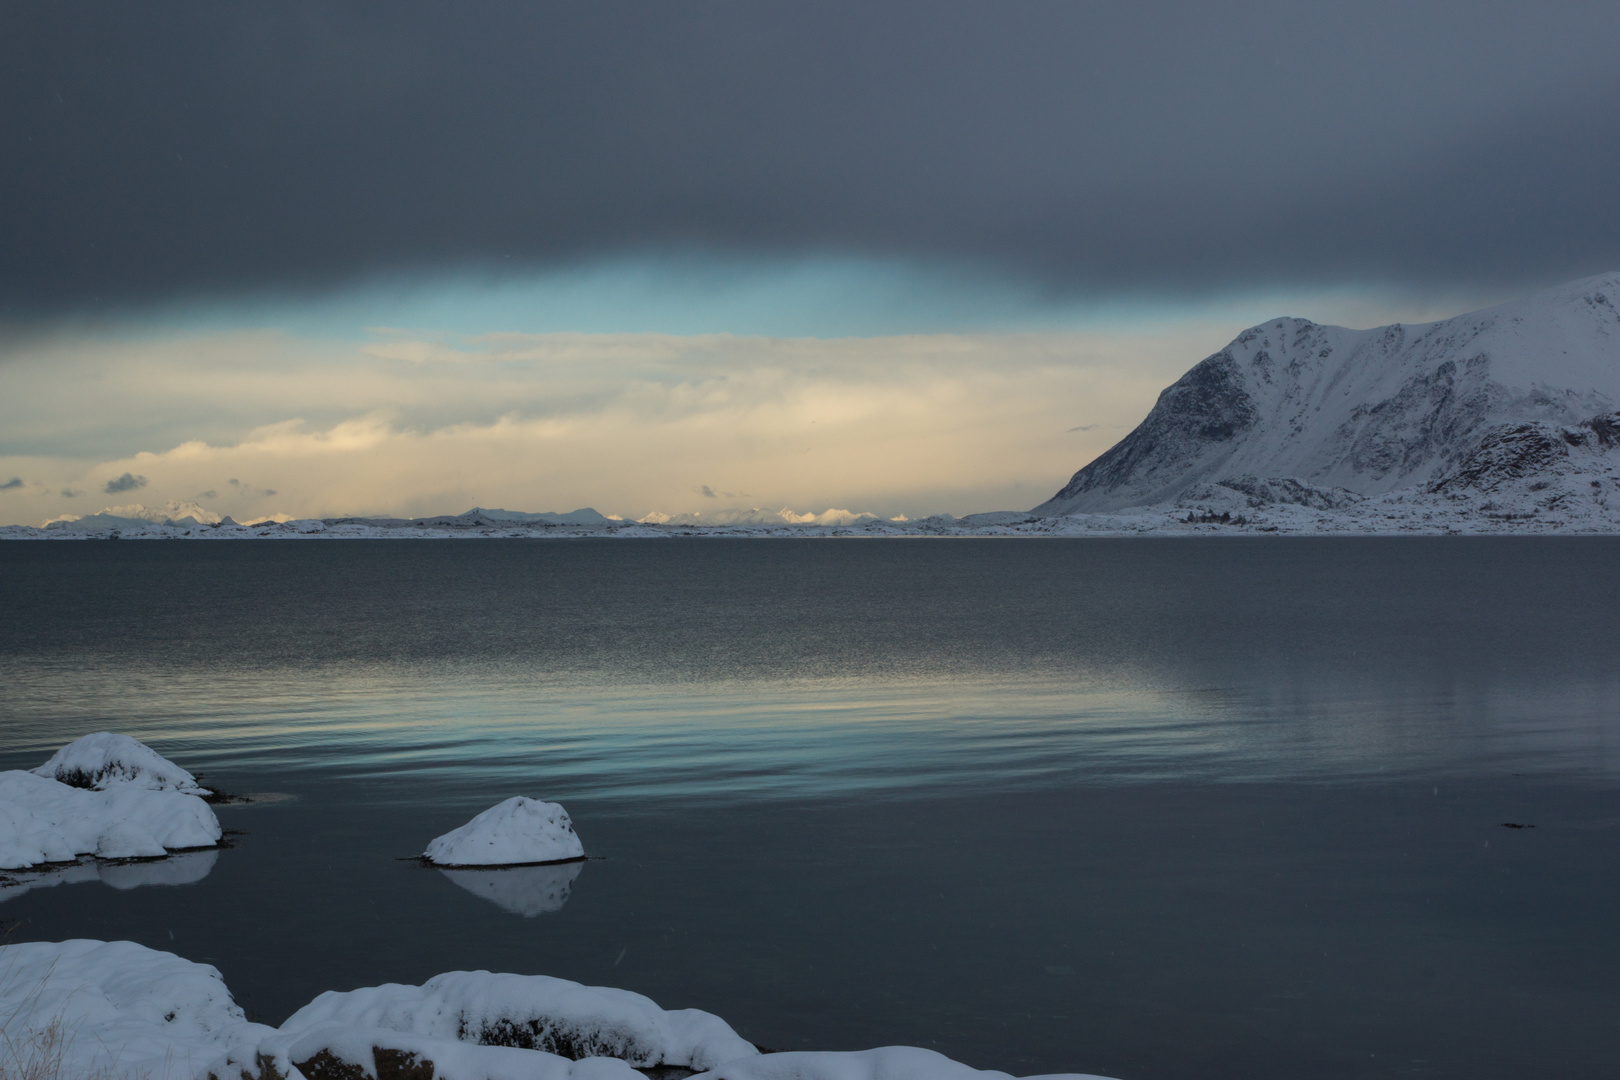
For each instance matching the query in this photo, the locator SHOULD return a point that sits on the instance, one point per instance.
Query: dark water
(1152, 808)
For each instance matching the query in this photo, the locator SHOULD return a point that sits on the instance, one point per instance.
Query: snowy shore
(118, 1009)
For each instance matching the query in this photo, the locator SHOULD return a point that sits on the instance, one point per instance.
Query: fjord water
(1146, 808)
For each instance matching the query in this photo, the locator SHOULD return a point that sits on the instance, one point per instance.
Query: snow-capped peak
(1369, 411)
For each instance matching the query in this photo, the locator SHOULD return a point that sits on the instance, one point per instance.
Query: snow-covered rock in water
(185, 869)
(533, 1012)
(516, 832)
(103, 759)
(1370, 411)
(46, 821)
(114, 1009)
(522, 890)
(884, 1063)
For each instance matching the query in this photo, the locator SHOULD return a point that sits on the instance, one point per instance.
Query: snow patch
(512, 833)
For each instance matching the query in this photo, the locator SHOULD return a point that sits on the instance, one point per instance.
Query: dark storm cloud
(127, 482)
(14, 482)
(159, 150)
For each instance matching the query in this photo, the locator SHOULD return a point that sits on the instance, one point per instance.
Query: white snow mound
(534, 1012)
(122, 1010)
(512, 833)
(45, 821)
(884, 1063)
(103, 759)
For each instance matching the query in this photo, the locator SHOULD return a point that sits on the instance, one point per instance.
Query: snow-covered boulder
(100, 760)
(884, 1063)
(114, 1009)
(522, 890)
(513, 833)
(533, 1012)
(45, 821)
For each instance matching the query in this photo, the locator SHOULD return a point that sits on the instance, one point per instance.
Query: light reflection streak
(814, 736)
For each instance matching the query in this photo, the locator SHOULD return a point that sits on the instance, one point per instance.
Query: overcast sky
(329, 177)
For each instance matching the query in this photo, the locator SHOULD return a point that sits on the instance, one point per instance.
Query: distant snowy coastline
(1239, 507)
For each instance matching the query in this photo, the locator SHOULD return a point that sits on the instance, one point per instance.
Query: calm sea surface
(1147, 808)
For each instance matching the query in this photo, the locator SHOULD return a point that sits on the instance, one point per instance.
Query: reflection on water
(442, 724)
(187, 868)
(522, 890)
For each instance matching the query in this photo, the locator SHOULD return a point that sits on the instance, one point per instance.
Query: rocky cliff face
(1365, 412)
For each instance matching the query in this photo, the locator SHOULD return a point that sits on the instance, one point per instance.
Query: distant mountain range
(191, 515)
(1513, 407)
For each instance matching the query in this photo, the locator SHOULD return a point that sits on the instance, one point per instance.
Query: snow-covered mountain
(137, 515)
(1297, 413)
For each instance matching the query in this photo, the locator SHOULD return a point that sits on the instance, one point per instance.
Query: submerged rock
(517, 832)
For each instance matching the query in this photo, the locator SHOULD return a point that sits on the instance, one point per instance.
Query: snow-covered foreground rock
(522, 890)
(105, 795)
(516, 832)
(98, 1009)
(114, 1009)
